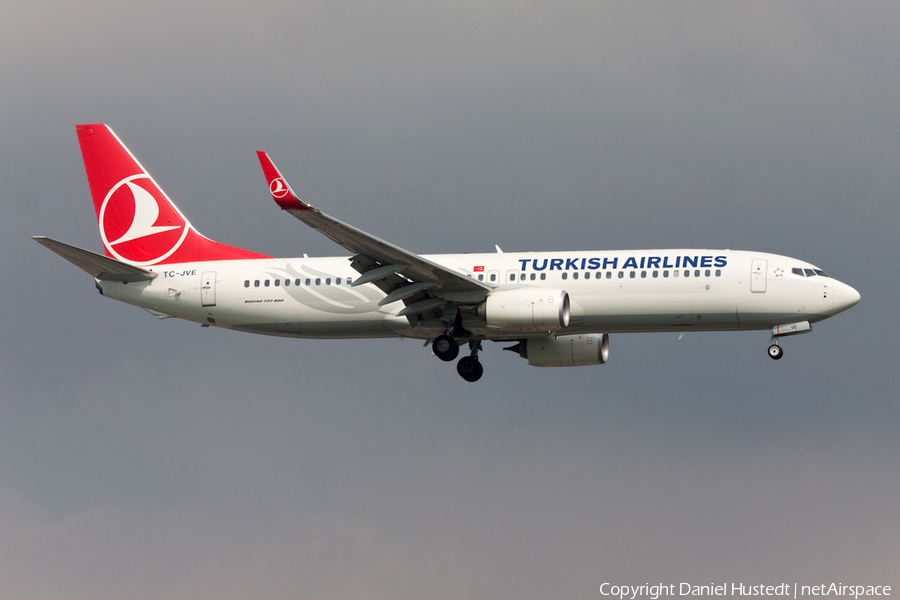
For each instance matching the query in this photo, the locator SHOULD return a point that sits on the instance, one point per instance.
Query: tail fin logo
(138, 224)
(278, 188)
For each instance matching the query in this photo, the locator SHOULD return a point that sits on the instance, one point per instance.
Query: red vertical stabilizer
(138, 222)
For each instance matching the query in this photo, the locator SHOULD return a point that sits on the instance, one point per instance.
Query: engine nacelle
(526, 309)
(565, 350)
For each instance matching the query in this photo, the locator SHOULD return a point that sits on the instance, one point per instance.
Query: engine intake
(526, 309)
(565, 350)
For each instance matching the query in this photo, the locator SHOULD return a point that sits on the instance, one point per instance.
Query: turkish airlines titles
(632, 262)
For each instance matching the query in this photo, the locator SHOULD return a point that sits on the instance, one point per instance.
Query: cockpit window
(809, 272)
(820, 273)
(797, 271)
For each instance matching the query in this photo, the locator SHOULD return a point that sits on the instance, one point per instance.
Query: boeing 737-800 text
(556, 308)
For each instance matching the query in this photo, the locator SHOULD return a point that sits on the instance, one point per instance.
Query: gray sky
(155, 459)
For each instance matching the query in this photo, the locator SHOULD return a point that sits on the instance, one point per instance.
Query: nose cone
(844, 297)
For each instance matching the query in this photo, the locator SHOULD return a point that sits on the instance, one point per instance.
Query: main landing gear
(445, 348)
(468, 367)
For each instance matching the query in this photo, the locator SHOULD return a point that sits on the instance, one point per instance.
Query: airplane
(556, 308)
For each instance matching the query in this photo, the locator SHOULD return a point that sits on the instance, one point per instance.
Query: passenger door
(758, 275)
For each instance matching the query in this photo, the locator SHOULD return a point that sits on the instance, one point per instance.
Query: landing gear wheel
(445, 348)
(775, 351)
(469, 368)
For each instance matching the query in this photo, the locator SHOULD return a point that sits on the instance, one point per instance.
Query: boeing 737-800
(556, 308)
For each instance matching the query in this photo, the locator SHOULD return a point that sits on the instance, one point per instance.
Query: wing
(99, 266)
(401, 274)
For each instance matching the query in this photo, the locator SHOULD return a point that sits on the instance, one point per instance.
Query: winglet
(281, 192)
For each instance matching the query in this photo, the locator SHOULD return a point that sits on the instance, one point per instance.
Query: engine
(565, 350)
(526, 309)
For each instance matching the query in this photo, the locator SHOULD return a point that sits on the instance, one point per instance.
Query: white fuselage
(609, 292)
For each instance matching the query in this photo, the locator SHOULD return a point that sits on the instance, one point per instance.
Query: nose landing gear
(780, 331)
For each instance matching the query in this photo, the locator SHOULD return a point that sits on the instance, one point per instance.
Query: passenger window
(718, 272)
(676, 273)
(575, 275)
(318, 281)
(598, 275)
(308, 281)
(655, 274)
(643, 274)
(349, 281)
(797, 271)
(296, 282)
(493, 277)
(267, 283)
(256, 283)
(328, 281)
(565, 275)
(809, 272)
(512, 276)
(543, 276)
(533, 276)
(481, 277)
(665, 274)
(621, 274)
(707, 273)
(687, 273)
(609, 274)
(632, 274)
(246, 283)
(697, 273)
(287, 282)
(337, 281)
(277, 283)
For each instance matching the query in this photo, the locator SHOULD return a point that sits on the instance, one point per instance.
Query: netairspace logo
(784, 590)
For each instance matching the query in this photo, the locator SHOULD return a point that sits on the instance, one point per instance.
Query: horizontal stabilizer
(98, 266)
